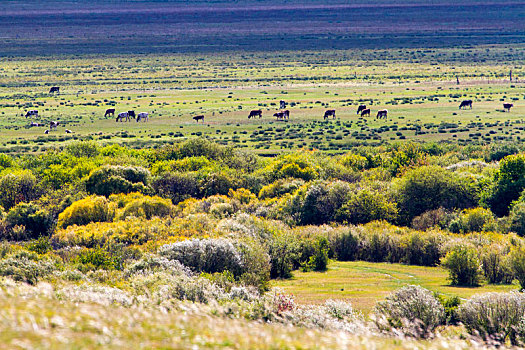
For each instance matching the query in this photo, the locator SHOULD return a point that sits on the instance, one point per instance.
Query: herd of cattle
(283, 115)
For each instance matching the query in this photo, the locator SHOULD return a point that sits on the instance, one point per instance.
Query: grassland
(418, 87)
(364, 283)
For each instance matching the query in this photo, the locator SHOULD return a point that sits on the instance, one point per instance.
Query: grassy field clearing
(364, 283)
(422, 99)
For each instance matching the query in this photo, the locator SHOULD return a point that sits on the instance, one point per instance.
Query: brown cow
(382, 114)
(365, 112)
(360, 108)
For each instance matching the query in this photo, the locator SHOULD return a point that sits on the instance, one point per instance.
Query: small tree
(463, 265)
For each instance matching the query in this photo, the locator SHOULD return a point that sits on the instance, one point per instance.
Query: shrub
(284, 254)
(25, 267)
(365, 206)
(319, 261)
(17, 187)
(412, 310)
(517, 218)
(113, 179)
(450, 306)
(84, 211)
(176, 186)
(151, 263)
(37, 222)
(496, 264)
(147, 207)
(463, 265)
(422, 249)
(476, 220)
(280, 187)
(88, 149)
(206, 255)
(94, 259)
(430, 187)
(517, 262)
(493, 316)
(345, 244)
(508, 183)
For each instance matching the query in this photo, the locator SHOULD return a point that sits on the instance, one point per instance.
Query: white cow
(53, 125)
(122, 116)
(142, 115)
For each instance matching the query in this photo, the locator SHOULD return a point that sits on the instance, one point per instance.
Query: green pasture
(364, 283)
(422, 98)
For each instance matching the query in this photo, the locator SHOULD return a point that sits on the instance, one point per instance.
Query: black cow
(131, 114)
(54, 89)
(465, 104)
(286, 114)
(199, 117)
(360, 108)
(255, 113)
(508, 106)
(282, 104)
(109, 112)
(329, 113)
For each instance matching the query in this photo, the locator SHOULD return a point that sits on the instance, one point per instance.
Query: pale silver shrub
(95, 294)
(243, 293)
(495, 317)
(411, 311)
(205, 255)
(150, 263)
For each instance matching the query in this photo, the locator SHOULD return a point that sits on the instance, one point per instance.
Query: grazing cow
(33, 113)
(279, 115)
(286, 115)
(465, 104)
(54, 89)
(46, 132)
(508, 106)
(122, 116)
(131, 114)
(53, 125)
(382, 114)
(109, 112)
(360, 108)
(142, 115)
(35, 124)
(329, 113)
(282, 104)
(68, 131)
(255, 113)
(199, 117)
(365, 112)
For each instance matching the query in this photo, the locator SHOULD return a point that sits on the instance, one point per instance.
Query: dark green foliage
(117, 179)
(37, 222)
(430, 187)
(517, 218)
(16, 187)
(319, 261)
(463, 265)
(450, 305)
(345, 245)
(365, 206)
(507, 186)
(284, 255)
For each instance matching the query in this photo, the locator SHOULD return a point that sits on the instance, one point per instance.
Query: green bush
(365, 206)
(463, 265)
(430, 187)
(84, 211)
(319, 260)
(147, 207)
(16, 187)
(517, 218)
(176, 186)
(115, 179)
(37, 222)
(517, 262)
(507, 185)
(496, 264)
